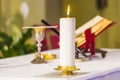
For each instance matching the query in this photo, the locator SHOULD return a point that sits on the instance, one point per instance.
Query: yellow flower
(16, 33)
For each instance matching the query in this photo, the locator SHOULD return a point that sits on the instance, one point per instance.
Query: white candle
(67, 41)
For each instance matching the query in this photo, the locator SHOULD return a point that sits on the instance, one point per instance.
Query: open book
(98, 24)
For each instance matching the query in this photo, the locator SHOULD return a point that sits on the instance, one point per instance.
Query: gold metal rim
(67, 68)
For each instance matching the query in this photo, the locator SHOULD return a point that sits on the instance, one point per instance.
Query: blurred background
(15, 14)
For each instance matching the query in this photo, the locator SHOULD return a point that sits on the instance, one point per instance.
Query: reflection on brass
(67, 70)
(80, 59)
(48, 56)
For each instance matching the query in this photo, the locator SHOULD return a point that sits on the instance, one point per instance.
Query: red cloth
(53, 39)
(90, 41)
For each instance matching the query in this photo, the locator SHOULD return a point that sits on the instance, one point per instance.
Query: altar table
(20, 68)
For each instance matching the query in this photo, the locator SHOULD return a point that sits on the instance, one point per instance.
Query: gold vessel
(47, 56)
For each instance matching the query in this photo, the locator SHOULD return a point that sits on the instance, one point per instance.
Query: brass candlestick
(67, 70)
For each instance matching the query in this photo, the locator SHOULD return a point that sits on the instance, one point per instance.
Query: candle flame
(68, 10)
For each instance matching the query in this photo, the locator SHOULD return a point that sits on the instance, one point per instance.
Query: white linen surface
(20, 68)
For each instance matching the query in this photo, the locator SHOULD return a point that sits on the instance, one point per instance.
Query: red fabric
(44, 45)
(81, 46)
(54, 39)
(90, 43)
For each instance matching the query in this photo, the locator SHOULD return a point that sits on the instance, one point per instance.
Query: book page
(97, 25)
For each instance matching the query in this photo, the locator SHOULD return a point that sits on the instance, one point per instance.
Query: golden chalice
(39, 34)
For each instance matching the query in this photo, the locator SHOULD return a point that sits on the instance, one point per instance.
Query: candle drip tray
(67, 70)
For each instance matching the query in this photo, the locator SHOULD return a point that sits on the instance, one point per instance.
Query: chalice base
(38, 60)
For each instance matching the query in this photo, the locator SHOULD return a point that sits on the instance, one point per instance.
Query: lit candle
(68, 11)
(67, 40)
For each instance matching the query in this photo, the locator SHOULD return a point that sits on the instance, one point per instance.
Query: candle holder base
(67, 70)
(38, 60)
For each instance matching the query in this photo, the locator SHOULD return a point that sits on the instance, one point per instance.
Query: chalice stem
(39, 48)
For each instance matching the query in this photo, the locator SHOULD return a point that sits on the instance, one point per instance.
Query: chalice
(39, 34)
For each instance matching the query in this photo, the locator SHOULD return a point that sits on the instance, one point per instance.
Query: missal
(98, 24)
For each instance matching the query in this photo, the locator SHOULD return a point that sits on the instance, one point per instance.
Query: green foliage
(19, 48)
(12, 39)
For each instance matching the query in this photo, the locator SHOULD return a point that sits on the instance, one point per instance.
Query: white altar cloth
(20, 68)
